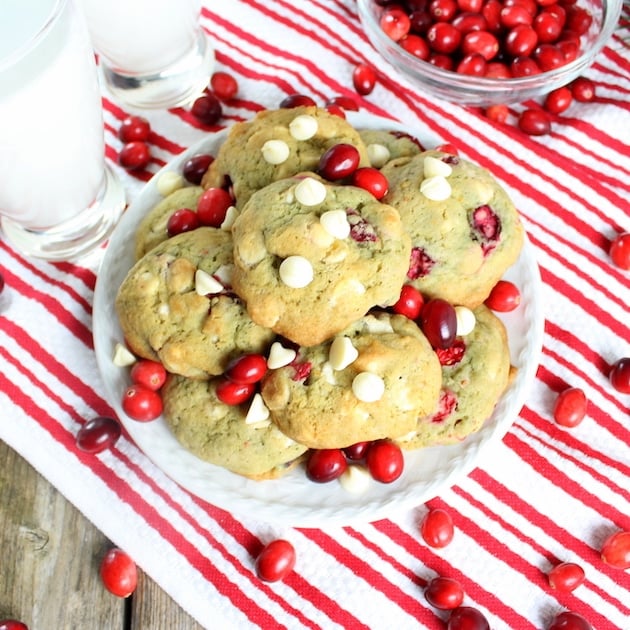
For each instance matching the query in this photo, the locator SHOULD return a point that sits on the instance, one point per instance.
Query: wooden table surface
(50, 557)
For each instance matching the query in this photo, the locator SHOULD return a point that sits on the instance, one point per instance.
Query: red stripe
(86, 276)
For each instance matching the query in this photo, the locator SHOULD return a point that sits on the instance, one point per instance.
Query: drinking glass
(58, 198)
(152, 53)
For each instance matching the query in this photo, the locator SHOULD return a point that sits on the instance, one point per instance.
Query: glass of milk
(58, 199)
(152, 53)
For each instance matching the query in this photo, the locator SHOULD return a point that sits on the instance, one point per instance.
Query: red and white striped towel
(545, 495)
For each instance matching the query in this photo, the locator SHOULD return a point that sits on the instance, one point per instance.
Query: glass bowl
(481, 91)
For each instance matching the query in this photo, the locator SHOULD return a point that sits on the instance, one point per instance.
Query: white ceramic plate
(293, 500)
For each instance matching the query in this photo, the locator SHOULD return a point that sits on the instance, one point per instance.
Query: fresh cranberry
(409, 303)
(442, 10)
(512, 15)
(364, 79)
(620, 251)
(150, 374)
(325, 465)
(534, 122)
(467, 618)
(339, 161)
(570, 407)
(548, 57)
(583, 90)
(195, 167)
(619, 375)
(345, 102)
(578, 20)
(223, 85)
(420, 21)
(498, 113)
(372, 180)
(395, 23)
(12, 624)
(469, 6)
(212, 206)
(480, 42)
(440, 60)
(616, 550)
(356, 451)
(207, 109)
(134, 155)
(504, 297)
(437, 528)
(547, 26)
(134, 128)
(520, 41)
(444, 593)
(491, 11)
(569, 621)
(558, 100)
(416, 46)
(98, 434)
(439, 322)
(566, 577)
(275, 561)
(248, 368)
(444, 38)
(232, 393)
(182, 220)
(524, 67)
(119, 573)
(296, 100)
(141, 404)
(468, 21)
(336, 110)
(385, 461)
(473, 64)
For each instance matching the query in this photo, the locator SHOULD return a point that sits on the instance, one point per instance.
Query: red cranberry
(444, 38)
(520, 41)
(547, 26)
(467, 618)
(504, 297)
(364, 79)
(583, 90)
(212, 206)
(150, 374)
(182, 220)
(512, 15)
(98, 434)
(195, 168)
(339, 161)
(416, 46)
(232, 393)
(118, 573)
(385, 461)
(356, 451)
(578, 20)
(569, 621)
(558, 100)
(12, 624)
(296, 100)
(534, 122)
(437, 528)
(248, 368)
(134, 155)
(468, 21)
(444, 593)
(223, 85)
(443, 10)
(439, 323)
(619, 251)
(395, 23)
(409, 303)
(498, 113)
(566, 577)
(616, 550)
(483, 43)
(275, 561)
(207, 109)
(134, 128)
(372, 180)
(619, 375)
(325, 465)
(345, 102)
(570, 407)
(548, 57)
(141, 404)
(473, 64)
(524, 67)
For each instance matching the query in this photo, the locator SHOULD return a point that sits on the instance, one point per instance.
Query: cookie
(152, 229)
(383, 146)
(475, 372)
(465, 231)
(176, 306)
(372, 381)
(311, 257)
(277, 144)
(220, 433)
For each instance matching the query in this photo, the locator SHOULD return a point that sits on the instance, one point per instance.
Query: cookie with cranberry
(226, 435)
(311, 257)
(176, 306)
(152, 230)
(371, 381)
(277, 144)
(475, 372)
(383, 145)
(465, 231)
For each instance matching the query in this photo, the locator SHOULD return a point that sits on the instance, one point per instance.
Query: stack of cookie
(305, 271)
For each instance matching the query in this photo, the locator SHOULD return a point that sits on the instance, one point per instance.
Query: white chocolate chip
(303, 127)
(435, 167)
(164, 310)
(378, 154)
(296, 272)
(230, 217)
(465, 320)
(279, 356)
(169, 182)
(310, 192)
(435, 188)
(328, 373)
(224, 274)
(275, 151)
(342, 353)
(122, 356)
(355, 479)
(257, 411)
(335, 222)
(377, 326)
(368, 387)
(205, 284)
